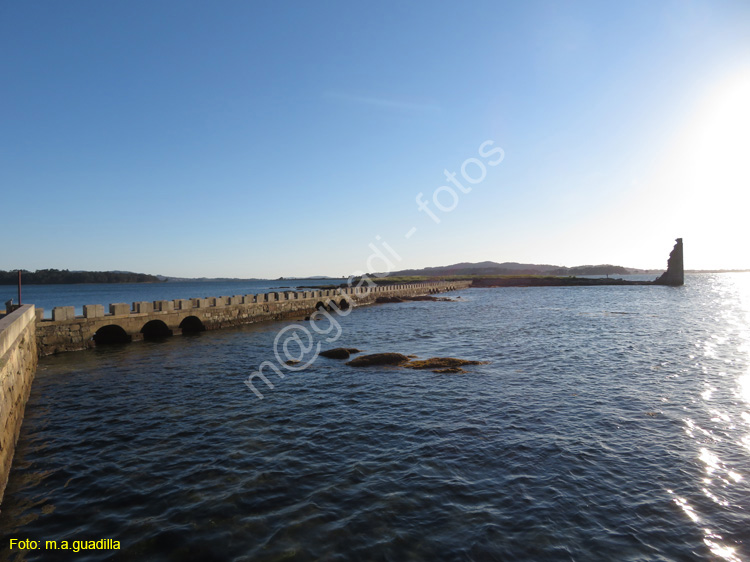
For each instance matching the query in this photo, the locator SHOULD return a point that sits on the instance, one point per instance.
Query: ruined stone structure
(18, 359)
(675, 274)
(158, 319)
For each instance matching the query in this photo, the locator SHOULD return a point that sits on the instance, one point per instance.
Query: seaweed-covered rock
(379, 359)
(442, 363)
(339, 352)
(449, 370)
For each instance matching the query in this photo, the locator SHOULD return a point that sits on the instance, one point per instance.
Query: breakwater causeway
(123, 322)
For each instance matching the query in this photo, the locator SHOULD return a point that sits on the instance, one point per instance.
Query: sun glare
(722, 139)
(706, 178)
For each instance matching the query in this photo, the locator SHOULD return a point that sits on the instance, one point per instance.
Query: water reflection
(717, 424)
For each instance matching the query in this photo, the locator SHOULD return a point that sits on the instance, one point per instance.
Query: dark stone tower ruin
(675, 274)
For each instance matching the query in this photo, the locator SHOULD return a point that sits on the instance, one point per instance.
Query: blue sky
(268, 139)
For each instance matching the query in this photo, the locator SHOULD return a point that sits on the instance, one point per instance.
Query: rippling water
(612, 423)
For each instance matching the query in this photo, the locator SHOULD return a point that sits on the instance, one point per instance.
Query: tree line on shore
(66, 277)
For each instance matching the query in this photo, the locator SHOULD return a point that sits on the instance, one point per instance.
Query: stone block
(163, 306)
(249, 299)
(182, 304)
(63, 313)
(143, 307)
(93, 310)
(260, 297)
(119, 309)
(235, 300)
(39, 314)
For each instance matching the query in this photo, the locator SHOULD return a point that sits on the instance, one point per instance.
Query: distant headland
(490, 274)
(66, 277)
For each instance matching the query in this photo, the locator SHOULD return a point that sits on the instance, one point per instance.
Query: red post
(19, 287)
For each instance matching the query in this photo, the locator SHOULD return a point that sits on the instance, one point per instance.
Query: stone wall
(18, 359)
(68, 332)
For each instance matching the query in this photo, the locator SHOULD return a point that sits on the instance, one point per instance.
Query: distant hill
(66, 277)
(511, 268)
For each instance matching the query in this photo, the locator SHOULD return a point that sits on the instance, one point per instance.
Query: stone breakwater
(18, 359)
(159, 319)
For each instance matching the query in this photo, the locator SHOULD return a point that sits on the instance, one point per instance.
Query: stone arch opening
(155, 330)
(111, 334)
(192, 325)
(344, 304)
(320, 306)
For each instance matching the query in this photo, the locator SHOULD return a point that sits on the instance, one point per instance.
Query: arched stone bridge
(158, 319)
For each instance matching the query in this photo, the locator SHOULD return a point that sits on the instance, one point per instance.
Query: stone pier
(122, 322)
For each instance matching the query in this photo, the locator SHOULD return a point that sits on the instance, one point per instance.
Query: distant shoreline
(10, 278)
(66, 277)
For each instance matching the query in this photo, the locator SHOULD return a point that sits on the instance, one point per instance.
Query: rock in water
(339, 352)
(379, 359)
(442, 363)
(675, 274)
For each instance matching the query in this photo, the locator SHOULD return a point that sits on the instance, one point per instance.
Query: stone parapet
(18, 360)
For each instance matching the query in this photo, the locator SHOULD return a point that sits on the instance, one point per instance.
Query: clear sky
(253, 139)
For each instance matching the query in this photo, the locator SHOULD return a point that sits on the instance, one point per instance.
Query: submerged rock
(442, 363)
(339, 352)
(436, 364)
(379, 359)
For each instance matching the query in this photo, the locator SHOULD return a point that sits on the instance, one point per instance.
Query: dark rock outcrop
(675, 274)
(379, 359)
(339, 352)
